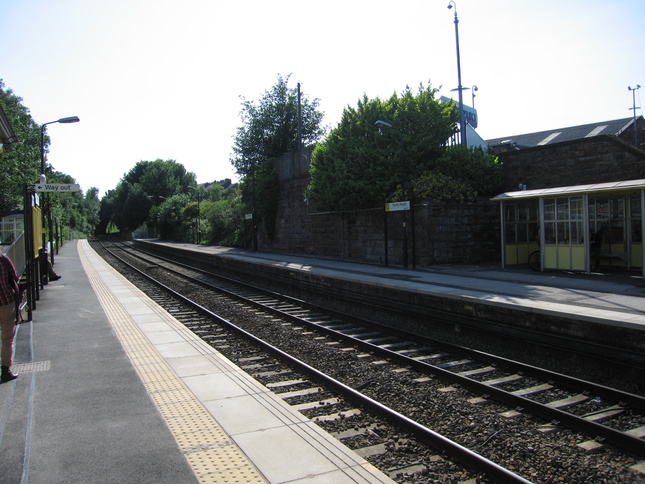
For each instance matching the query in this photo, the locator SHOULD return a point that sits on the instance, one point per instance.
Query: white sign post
(57, 187)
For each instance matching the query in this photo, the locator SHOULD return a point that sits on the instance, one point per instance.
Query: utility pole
(634, 108)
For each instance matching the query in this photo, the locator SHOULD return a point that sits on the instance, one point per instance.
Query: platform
(601, 309)
(114, 389)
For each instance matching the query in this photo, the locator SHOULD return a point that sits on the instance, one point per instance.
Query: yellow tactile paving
(209, 451)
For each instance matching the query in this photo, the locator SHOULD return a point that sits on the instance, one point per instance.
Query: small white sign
(397, 206)
(248, 216)
(57, 187)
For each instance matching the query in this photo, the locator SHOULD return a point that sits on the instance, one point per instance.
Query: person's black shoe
(7, 375)
(54, 278)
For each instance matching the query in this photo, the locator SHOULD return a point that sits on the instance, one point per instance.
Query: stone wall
(443, 233)
(598, 159)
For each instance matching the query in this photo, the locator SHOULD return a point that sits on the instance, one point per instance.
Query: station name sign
(397, 206)
(57, 187)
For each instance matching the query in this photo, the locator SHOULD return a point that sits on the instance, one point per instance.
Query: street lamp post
(634, 108)
(70, 119)
(46, 215)
(459, 86)
(474, 89)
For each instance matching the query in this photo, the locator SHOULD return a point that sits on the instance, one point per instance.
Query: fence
(16, 252)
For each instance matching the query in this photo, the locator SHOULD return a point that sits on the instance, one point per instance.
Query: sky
(164, 79)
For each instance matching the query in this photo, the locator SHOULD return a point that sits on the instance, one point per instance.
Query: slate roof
(613, 128)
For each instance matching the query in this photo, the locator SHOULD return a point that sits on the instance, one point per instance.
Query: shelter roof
(610, 187)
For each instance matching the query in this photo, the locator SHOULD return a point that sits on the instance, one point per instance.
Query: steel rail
(460, 453)
(593, 429)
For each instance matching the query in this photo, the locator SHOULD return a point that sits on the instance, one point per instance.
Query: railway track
(602, 413)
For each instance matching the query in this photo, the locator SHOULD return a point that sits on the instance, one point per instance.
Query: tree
(173, 223)
(225, 219)
(20, 162)
(363, 164)
(146, 185)
(269, 129)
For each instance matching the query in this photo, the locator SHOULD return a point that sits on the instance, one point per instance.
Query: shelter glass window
(521, 220)
(564, 221)
(635, 215)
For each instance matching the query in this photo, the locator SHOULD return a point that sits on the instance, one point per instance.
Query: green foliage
(363, 164)
(436, 187)
(20, 162)
(260, 198)
(171, 221)
(216, 193)
(75, 211)
(20, 165)
(146, 185)
(481, 171)
(225, 220)
(270, 129)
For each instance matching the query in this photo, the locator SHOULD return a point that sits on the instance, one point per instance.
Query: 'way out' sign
(57, 187)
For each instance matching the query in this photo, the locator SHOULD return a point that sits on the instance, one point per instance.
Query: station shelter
(562, 222)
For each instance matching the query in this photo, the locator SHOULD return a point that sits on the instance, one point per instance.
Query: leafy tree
(173, 223)
(146, 185)
(480, 171)
(20, 162)
(361, 163)
(270, 129)
(225, 220)
(216, 193)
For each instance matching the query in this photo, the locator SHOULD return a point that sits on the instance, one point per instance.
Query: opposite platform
(113, 389)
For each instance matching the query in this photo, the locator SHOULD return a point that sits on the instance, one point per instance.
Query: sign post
(400, 207)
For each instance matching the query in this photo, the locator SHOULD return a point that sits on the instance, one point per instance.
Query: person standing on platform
(9, 295)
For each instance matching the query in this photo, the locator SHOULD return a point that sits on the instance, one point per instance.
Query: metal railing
(16, 252)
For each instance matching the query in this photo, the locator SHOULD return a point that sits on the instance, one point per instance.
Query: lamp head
(384, 123)
(70, 119)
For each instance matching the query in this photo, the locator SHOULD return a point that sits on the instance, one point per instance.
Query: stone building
(569, 187)
(472, 234)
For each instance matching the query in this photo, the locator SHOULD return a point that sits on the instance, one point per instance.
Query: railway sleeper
(372, 450)
(285, 383)
(300, 393)
(568, 402)
(604, 414)
(337, 416)
(354, 432)
(317, 404)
